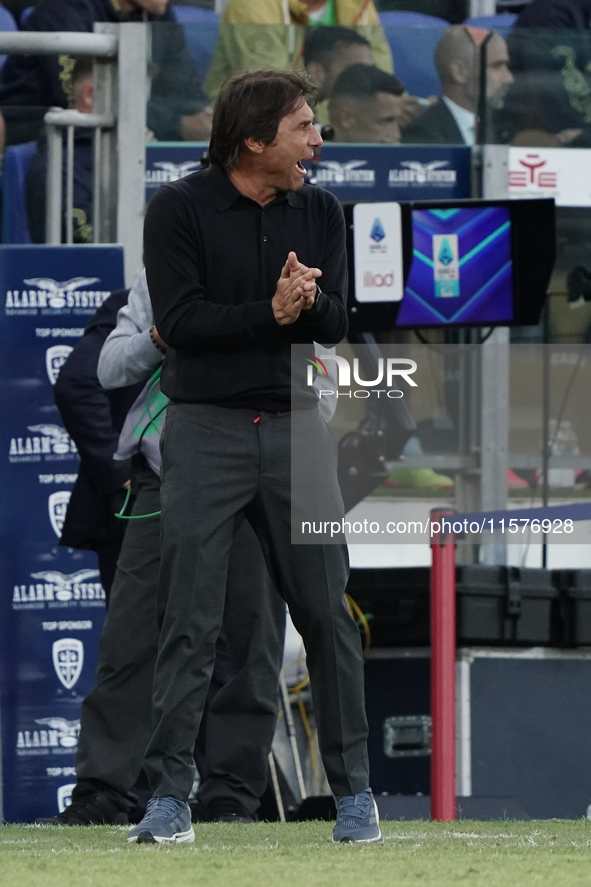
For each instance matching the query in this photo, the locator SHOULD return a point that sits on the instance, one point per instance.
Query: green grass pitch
(555, 853)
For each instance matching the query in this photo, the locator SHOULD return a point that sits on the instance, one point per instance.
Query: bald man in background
(452, 119)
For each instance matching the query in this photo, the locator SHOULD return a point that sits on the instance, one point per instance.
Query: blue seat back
(503, 22)
(15, 226)
(25, 14)
(7, 23)
(413, 37)
(200, 27)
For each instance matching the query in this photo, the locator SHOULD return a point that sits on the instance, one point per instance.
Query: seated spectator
(452, 119)
(29, 85)
(83, 168)
(366, 105)
(550, 101)
(327, 52)
(255, 34)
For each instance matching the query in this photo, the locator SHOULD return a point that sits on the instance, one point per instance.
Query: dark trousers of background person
(116, 717)
(220, 464)
(107, 553)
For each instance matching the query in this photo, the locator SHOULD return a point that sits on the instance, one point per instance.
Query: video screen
(461, 271)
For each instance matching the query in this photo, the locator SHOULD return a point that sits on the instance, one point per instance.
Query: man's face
(84, 95)
(376, 121)
(295, 141)
(343, 57)
(498, 75)
(153, 7)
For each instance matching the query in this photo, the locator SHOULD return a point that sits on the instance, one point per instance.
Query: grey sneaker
(167, 821)
(357, 819)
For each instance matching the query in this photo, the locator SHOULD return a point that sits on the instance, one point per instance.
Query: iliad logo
(532, 174)
(370, 278)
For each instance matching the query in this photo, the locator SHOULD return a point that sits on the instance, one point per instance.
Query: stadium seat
(15, 226)
(501, 23)
(25, 15)
(201, 33)
(7, 23)
(413, 37)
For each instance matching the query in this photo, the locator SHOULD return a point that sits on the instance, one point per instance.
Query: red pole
(443, 665)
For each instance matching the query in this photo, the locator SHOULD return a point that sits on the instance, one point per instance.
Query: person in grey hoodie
(233, 748)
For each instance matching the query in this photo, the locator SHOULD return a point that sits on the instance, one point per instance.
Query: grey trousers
(116, 718)
(220, 465)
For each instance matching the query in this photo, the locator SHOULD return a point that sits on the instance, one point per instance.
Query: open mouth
(301, 168)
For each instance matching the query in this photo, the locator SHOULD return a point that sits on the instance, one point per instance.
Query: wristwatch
(156, 343)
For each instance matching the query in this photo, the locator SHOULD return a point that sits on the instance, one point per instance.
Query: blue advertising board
(170, 161)
(353, 172)
(51, 600)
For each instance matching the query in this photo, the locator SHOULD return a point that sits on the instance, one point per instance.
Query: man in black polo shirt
(232, 256)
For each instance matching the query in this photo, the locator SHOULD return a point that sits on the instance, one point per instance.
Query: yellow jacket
(270, 34)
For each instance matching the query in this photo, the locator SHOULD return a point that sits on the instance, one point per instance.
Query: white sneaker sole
(180, 838)
(377, 839)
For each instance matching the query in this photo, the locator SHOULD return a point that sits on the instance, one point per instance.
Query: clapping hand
(296, 290)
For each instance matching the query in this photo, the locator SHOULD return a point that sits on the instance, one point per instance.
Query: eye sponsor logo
(170, 172)
(52, 297)
(54, 590)
(559, 173)
(68, 658)
(350, 173)
(54, 736)
(529, 172)
(55, 358)
(47, 443)
(416, 174)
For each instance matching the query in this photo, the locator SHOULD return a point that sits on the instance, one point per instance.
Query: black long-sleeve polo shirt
(213, 258)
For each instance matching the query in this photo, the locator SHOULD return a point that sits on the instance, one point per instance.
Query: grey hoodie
(129, 356)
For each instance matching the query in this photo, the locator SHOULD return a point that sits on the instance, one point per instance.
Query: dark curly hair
(252, 105)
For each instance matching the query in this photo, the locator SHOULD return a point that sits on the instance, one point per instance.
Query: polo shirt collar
(223, 192)
(295, 200)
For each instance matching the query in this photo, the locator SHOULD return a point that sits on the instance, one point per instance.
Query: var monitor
(449, 264)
